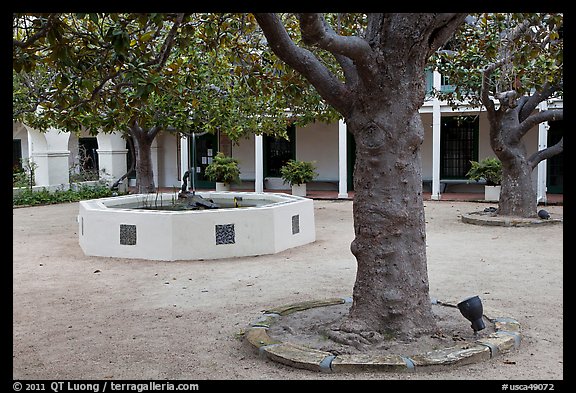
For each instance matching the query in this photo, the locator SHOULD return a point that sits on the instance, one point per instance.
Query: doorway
(88, 156)
(203, 148)
(277, 151)
(555, 165)
(458, 145)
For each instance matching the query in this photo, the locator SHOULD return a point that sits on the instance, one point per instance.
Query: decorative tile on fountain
(128, 234)
(295, 224)
(225, 234)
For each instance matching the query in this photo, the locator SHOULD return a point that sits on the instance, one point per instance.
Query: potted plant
(224, 171)
(297, 174)
(489, 169)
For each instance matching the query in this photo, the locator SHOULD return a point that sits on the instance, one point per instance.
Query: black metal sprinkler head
(471, 309)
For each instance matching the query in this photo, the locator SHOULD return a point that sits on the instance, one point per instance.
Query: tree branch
(444, 27)
(544, 154)
(315, 31)
(350, 72)
(304, 61)
(514, 34)
(540, 117)
(485, 90)
(40, 33)
(508, 37)
(540, 95)
(168, 42)
(152, 132)
(159, 60)
(352, 53)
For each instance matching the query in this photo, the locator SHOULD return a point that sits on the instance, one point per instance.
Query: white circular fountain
(143, 226)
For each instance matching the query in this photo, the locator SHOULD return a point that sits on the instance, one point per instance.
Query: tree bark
(517, 195)
(143, 149)
(391, 292)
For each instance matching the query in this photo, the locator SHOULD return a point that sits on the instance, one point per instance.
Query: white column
(259, 163)
(112, 165)
(184, 155)
(112, 158)
(436, 119)
(49, 151)
(342, 160)
(184, 158)
(542, 144)
(52, 169)
(154, 157)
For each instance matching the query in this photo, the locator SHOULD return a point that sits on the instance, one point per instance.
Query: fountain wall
(267, 224)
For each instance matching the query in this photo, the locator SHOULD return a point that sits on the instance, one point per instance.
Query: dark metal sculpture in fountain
(194, 201)
(184, 188)
(198, 201)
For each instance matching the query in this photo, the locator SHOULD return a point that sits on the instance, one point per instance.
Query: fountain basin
(129, 226)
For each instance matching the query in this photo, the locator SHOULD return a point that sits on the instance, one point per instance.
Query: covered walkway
(552, 199)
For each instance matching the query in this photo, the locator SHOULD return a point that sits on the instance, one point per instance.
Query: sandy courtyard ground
(79, 317)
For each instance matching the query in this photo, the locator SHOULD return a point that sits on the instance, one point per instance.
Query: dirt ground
(78, 318)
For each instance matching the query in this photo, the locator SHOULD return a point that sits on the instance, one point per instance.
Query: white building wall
(244, 151)
(112, 158)
(318, 143)
(484, 149)
(49, 150)
(426, 148)
(168, 161)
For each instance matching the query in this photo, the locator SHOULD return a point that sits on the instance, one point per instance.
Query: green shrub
(23, 176)
(296, 172)
(28, 197)
(20, 179)
(84, 175)
(223, 169)
(489, 169)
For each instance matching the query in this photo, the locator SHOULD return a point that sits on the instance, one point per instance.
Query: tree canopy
(519, 51)
(177, 72)
(142, 74)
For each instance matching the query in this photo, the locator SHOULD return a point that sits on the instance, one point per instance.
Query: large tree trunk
(391, 293)
(517, 195)
(143, 150)
(509, 123)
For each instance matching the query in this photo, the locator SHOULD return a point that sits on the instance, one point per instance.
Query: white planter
(492, 193)
(299, 190)
(222, 186)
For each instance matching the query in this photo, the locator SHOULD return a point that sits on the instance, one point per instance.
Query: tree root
(352, 333)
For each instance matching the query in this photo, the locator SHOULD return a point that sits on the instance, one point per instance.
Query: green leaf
(146, 37)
